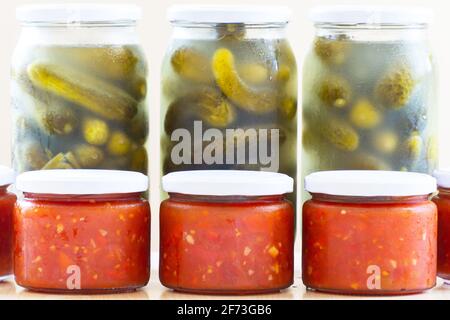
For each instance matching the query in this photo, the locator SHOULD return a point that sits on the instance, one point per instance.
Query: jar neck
(372, 199)
(83, 198)
(225, 199)
(373, 32)
(33, 34)
(444, 192)
(206, 31)
(3, 190)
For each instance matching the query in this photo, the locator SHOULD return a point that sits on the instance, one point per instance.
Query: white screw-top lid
(81, 182)
(371, 15)
(443, 177)
(370, 183)
(77, 12)
(227, 183)
(7, 176)
(228, 14)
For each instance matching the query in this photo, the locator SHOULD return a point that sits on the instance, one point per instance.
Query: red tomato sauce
(370, 248)
(7, 201)
(87, 244)
(228, 247)
(443, 203)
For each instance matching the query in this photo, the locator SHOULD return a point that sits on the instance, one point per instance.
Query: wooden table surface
(155, 291)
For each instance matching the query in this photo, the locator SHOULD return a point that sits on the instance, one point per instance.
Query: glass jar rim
(229, 14)
(371, 199)
(78, 14)
(371, 16)
(225, 199)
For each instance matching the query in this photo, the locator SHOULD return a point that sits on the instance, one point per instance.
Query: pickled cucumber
(56, 119)
(192, 65)
(334, 91)
(283, 74)
(93, 94)
(68, 106)
(432, 150)
(207, 105)
(368, 104)
(289, 108)
(231, 31)
(364, 115)
(254, 73)
(340, 134)
(396, 87)
(331, 51)
(385, 141)
(88, 156)
(137, 88)
(95, 131)
(138, 127)
(253, 87)
(139, 160)
(31, 155)
(414, 146)
(62, 161)
(365, 161)
(111, 62)
(256, 101)
(119, 144)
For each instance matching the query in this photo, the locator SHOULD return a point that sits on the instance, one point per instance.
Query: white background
(155, 35)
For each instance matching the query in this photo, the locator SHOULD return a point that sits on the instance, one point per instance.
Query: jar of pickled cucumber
(79, 89)
(369, 91)
(229, 90)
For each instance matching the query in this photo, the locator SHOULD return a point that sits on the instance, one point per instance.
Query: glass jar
(79, 89)
(83, 231)
(369, 99)
(227, 232)
(229, 91)
(369, 233)
(7, 201)
(442, 201)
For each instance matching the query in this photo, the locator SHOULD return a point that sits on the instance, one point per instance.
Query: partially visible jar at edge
(442, 200)
(7, 201)
(229, 92)
(79, 89)
(369, 100)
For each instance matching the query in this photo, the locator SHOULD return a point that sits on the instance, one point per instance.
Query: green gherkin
(340, 134)
(395, 88)
(258, 101)
(331, 51)
(62, 161)
(95, 131)
(109, 62)
(334, 91)
(88, 156)
(94, 94)
(207, 105)
(56, 119)
(192, 65)
(119, 144)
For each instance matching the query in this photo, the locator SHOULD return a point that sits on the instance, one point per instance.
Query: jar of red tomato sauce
(369, 232)
(83, 231)
(227, 232)
(442, 201)
(7, 201)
